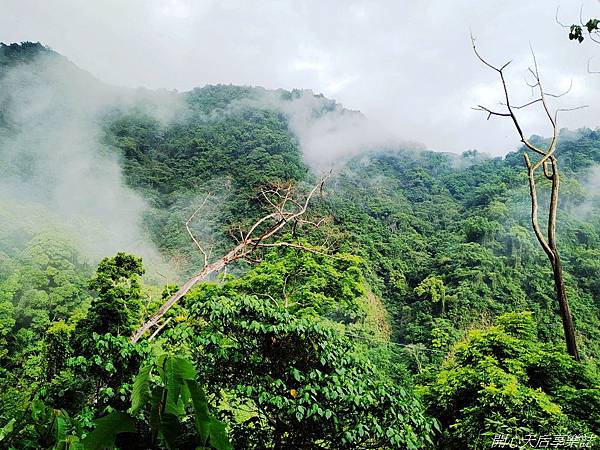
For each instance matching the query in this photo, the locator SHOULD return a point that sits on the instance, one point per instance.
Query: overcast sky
(406, 64)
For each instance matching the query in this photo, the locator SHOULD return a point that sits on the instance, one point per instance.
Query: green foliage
(57, 348)
(465, 221)
(160, 412)
(232, 148)
(106, 430)
(107, 362)
(500, 380)
(7, 323)
(160, 415)
(21, 53)
(576, 31)
(41, 426)
(285, 376)
(42, 280)
(308, 282)
(408, 215)
(434, 289)
(117, 306)
(46, 282)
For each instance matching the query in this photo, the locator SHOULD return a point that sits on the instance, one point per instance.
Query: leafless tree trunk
(549, 168)
(286, 210)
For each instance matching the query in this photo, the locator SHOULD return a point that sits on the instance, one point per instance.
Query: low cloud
(591, 187)
(53, 164)
(328, 134)
(407, 65)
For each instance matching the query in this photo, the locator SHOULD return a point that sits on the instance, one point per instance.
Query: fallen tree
(287, 209)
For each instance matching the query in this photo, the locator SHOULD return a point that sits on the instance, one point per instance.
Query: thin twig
(159, 329)
(187, 227)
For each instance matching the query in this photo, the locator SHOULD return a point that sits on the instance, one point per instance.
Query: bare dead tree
(287, 209)
(548, 165)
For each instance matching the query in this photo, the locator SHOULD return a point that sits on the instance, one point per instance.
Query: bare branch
(575, 108)
(313, 223)
(558, 21)
(544, 104)
(299, 247)
(593, 38)
(490, 112)
(510, 112)
(264, 194)
(527, 104)
(534, 206)
(484, 61)
(531, 85)
(159, 329)
(546, 173)
(588, 67)
(581, 15)
(187, 227)
(563, 93)
(251, 260)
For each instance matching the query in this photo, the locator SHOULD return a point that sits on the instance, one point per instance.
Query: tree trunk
(207, 270)
(565, 311)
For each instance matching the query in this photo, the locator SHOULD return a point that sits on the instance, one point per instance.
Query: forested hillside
(420, 313)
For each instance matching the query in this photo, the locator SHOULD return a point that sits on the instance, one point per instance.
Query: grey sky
(406, 64)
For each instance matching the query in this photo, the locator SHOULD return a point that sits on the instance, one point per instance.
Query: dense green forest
(421, 313)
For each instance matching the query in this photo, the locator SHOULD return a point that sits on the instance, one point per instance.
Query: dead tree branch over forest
(548, 165)
(287, 209)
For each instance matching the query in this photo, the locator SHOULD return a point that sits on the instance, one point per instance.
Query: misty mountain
(444, 241)
(132, 165)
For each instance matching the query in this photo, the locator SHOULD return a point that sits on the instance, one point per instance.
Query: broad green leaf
(218, 435)
(158, 394)
(7, 429)
(176, 371)
(141, 389)
(170, 430)
(201, 416)
(107, 428)
(60, 427)
(183, 368)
